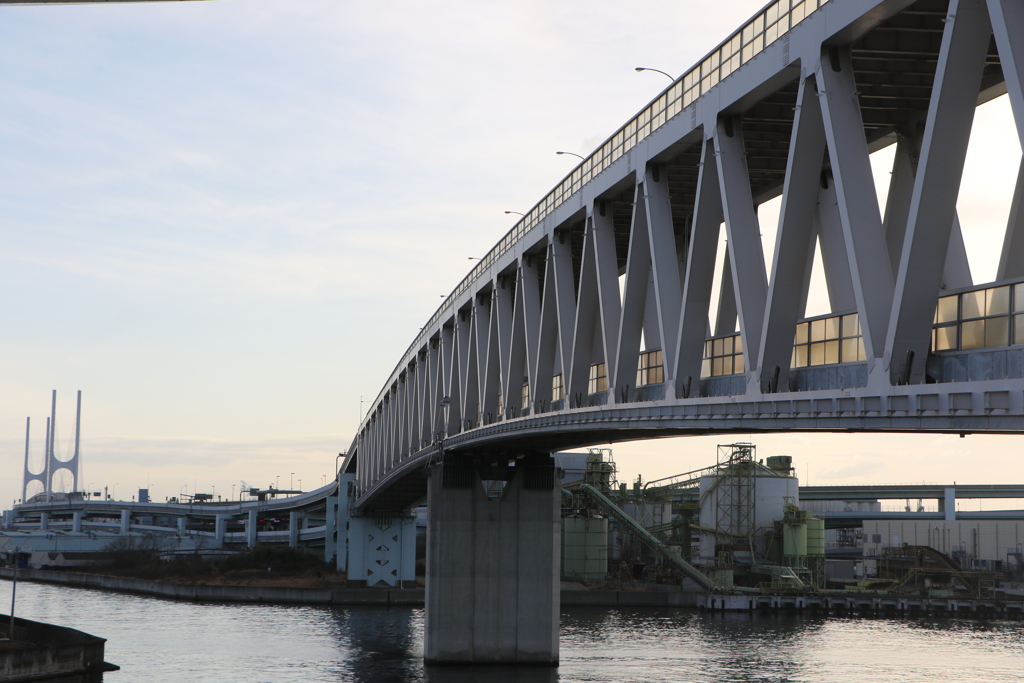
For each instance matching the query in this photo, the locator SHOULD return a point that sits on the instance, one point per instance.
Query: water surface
(162, 640)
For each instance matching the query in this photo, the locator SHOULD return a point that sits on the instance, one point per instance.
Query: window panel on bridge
(557, 388)
(944, 338)
(800, 10)
(981, 318)
(828, 341)
(598, 378)
(997, 331)
(651, 369)
(1018, 307)
(777, 25)
(972, 334)
(946, 310)
(723, 356)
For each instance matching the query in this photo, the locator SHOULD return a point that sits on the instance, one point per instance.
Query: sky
(225, 221)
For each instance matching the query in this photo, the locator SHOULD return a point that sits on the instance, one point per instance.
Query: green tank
(815, 536)
(794, 539)
(585, 548)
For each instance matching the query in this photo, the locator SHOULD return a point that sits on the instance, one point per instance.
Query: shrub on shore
(145, 558)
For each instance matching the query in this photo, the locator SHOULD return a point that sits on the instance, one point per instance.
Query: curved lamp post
(647, 68)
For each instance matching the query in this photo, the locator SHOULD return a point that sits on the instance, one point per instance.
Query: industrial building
(743, 524)
(746, 522)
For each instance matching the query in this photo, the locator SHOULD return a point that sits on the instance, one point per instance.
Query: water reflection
(380, 643)
(746, 645)
(162, 640)
(491, 674)
(655, 645)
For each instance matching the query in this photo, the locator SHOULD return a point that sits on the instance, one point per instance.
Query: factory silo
(741, 501)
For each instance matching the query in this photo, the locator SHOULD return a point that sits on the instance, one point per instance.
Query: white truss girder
(543, 343)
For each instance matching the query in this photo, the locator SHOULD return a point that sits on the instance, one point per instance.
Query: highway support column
(220, 529)
(338, 515)
(947, 504)
(252, 528)
(382, 550)
(492, 564)
(294, 520)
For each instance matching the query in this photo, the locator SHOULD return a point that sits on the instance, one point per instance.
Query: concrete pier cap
(493, 537)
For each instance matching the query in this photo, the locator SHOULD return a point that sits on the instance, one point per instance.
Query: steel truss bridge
(589, 321)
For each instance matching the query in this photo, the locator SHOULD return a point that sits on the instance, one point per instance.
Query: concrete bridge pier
(220, 529)
(947, 504)
(338, 516)
(382, 550)
(252, 529)
(293, 528)
(492, 562)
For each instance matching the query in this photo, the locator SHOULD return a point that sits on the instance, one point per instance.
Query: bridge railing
(763, 29)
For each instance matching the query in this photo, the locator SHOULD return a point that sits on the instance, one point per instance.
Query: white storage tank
(744, 498)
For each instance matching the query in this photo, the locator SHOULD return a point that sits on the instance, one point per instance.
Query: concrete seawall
(597, 598)
(323, 596)
(43, 652)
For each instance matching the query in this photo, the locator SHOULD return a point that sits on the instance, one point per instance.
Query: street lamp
(517, 213)
(291, 480)
(647, 68)
(572, 154)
